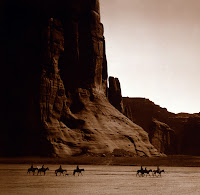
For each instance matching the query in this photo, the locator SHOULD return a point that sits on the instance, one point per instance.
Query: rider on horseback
(60, 168)
(77, 167)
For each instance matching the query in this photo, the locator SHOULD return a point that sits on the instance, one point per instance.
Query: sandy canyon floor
(99, 179)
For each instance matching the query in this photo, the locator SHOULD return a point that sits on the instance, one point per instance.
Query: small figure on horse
(78, 171)
(158, 171)
(142, 172)
(60, 170)
(42, 170)
(32, 169)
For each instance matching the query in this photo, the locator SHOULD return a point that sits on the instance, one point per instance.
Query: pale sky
(153, 47)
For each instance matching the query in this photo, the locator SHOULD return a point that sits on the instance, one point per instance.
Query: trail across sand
(99, 180)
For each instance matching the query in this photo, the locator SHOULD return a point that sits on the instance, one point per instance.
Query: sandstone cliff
(169, 133)
(114, 94)
(55, 84)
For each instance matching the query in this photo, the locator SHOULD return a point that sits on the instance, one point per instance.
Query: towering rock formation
(54, 98)
(114, 93)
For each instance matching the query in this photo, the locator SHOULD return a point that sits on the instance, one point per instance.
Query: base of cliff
(96, 127)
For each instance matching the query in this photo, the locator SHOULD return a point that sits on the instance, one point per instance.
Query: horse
(42, 170)
(147, 172)
(32, 170)
(78, 171)
(158, 171)
(140, 173)
(60, 171)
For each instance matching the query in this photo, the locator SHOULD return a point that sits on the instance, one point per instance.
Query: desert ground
(98, 179)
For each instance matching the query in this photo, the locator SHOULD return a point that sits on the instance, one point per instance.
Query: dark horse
(140, 173)
(78, 171)
(147, 172)
(158, 171)
(61, 171)
(42, 170)
(32, 170)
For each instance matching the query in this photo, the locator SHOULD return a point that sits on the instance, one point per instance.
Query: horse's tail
(74, 172)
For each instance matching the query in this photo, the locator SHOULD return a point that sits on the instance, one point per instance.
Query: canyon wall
(170, 133)
(54, 97)
(147, 115)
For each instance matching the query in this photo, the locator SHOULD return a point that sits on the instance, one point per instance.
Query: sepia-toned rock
(170, 133)
(55, 84)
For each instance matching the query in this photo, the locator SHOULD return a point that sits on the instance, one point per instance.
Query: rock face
(191, 135)
(147, 115)
(55, 95)
(187, 128)
(162, 137)
(170, 133)
(114, 94)
(155, 121)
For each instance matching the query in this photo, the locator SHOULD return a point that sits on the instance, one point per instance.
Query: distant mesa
(169, 133)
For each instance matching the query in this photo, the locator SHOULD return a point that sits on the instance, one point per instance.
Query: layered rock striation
(55, 98)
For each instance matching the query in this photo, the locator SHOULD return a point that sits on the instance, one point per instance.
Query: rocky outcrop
(154, 120)
(169, 133)
(55, 98)
(162, 137)
(114, 93)
(142, 112)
